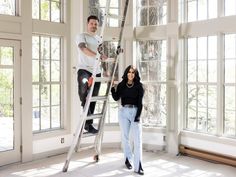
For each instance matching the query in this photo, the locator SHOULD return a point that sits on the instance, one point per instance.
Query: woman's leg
(125, 129)
(136, 130)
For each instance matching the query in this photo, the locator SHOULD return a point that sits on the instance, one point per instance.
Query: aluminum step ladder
(79, 133)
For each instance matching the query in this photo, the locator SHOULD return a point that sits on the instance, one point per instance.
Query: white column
(172, 131)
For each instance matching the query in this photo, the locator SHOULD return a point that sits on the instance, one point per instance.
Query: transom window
(230, 7)
(97, 7)
(8, 7)
(151, 59)
(151, 12)
(201, 9)
(47, 85)
(49, 10)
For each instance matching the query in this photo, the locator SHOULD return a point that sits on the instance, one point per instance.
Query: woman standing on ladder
(130, 91)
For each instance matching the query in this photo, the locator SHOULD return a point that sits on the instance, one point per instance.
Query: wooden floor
(111, 164)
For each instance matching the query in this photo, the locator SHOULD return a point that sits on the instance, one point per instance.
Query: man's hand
(103, 57)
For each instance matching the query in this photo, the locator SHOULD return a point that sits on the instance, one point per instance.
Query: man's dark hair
(92, 17)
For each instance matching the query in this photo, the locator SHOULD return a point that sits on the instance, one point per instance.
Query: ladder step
(98, 98)
(102, 79)
(94, 116)
(109, 60)
(85, 148)
(87, 134)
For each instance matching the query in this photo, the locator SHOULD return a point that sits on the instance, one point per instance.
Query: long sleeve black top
(133, 96)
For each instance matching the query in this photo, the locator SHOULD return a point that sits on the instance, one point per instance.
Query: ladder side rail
(80, 126)
(95, 67)
(99, 138)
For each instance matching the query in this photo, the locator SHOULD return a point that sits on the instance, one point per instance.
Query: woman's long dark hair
(136, 75)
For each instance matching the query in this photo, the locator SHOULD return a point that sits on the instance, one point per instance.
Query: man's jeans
(127, 124)
(83, 89)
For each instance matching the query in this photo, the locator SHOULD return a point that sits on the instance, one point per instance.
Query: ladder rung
(87, 134)
(98, 98)
(115, 16)
(85, 148)
(94, 116)
(109, 60)
(102, 79)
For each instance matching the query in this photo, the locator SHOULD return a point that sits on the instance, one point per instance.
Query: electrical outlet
(62, 140)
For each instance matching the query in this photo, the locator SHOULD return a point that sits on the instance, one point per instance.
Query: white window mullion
(220, 85)
(220, 8)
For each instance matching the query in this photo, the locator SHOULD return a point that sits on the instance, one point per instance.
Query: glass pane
(114, 3)
(35, 70)
(229, 98)
(6, 56)
(212, 8)
(191, 107)
(56, 116)
(154, 2)
(202, 97)
(212, 71)
(8, 7)
(202, 71)
(55, 95)
(143, 66)
(6, 110)
(229, 123)
(212, 47)
(55, 12)
(154, 16)
(36, 119)
(192, 10)
(111, 108)
(192, 47)
(192, 71)
(112, 21)
(202, 9)
(212, 97)
(153, 70)
(230, 71)
(45, 71)
(230, 7)
(191, 118)
(162, 72)
(35, 47)
(142, 16)
(35, 95)
(229, 111)
(211, 121)
(55, 71)
(45, 10)
(45, 95)
(45, 48)
(35, 9)
(55, 48)
(142, 3)
(202, 48)
(202, 119)
(45, 118)
(230, 46)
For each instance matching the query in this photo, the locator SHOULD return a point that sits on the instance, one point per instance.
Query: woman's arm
(116, 93)
(140, 104)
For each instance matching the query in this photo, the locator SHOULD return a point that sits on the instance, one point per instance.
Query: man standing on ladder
(88, 43)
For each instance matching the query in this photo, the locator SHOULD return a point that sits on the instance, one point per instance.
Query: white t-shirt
(92, 42)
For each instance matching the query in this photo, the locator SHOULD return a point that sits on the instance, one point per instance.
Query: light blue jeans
(127, 125)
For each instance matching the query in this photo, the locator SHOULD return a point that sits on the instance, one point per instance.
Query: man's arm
(86, 50)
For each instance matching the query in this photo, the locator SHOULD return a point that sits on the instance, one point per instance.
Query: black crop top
(129, 95)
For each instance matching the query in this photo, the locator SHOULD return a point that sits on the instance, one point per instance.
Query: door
(10, 129)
